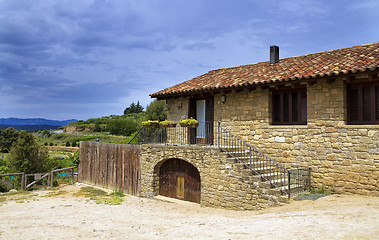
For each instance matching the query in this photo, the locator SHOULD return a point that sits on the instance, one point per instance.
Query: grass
(61, 139)
(54, 194)
(322, 189)
(26, 196)
(94, 194)
(102, 197)
(18, 197)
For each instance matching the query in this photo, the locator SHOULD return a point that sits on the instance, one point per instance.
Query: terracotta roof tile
(336, 62)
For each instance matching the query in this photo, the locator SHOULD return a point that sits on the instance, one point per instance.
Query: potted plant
(167, 124)
(150, 124)
(191, 123)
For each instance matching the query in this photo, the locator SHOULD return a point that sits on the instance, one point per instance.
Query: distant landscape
(33, 124)
(29, 145)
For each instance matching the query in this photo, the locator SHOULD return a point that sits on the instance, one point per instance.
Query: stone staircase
(261, 171)
(253, 180)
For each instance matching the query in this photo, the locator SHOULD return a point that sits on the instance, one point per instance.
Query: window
(290, 107)
(363, 103)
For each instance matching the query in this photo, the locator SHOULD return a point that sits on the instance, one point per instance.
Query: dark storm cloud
(91, 58)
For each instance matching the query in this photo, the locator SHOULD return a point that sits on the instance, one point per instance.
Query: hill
(33, 122)
(30, 127)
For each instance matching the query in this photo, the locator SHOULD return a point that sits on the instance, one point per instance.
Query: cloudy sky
(91, 58)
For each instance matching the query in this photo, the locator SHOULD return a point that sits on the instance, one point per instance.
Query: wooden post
(72, 176)
(22, 181)
(51, 179)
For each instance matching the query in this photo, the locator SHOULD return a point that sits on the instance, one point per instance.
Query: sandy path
(66, 216)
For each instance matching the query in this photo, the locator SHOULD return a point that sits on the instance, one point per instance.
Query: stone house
(318, 111)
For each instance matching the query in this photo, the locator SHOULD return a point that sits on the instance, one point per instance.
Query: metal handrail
(203, 134)
(135, 135)
(256, 161)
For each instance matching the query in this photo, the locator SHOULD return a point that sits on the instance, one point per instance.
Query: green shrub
(73, 144)
(150, 123)
(156, 110)
(28, 156)
(68, 144)
(122, 126)
(51, 144)
(74, 159)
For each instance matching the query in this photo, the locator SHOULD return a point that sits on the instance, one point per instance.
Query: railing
(300, 180)
(203, 134)
(288, 182)
(16, 174)
(39, 176)
(268, 169)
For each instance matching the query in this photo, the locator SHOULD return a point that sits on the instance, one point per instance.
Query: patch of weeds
(113, 200)
(54, 194)
(91, 192)
(326, 190)
(21, 196)
(101, 197)
(118, 193)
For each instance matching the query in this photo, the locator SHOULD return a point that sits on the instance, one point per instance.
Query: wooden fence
(39, 176)
(112, 166)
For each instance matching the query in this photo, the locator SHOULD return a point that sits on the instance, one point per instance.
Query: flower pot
(193, 125)
(170, 125)
(152, 125)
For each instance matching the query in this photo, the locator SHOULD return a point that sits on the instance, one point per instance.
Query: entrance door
(200, 116)
(179, 179)
(203, 111)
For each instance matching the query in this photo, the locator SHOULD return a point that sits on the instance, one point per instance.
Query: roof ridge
(353, 59)
(299, 56)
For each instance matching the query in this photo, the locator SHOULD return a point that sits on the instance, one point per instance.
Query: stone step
(245, 154)
(280, 182)
(230, 148)
(261, 170)
(273, 175)
(246, 160)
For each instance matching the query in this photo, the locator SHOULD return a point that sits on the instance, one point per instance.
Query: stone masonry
(223, 184)
(344, 158)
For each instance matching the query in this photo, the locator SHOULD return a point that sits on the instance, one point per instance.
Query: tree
(44, 133)
(133, 108)
(27, 156)
(156, 110)
(8, 136)
(122, 126)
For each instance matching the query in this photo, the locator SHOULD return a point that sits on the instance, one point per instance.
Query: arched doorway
(179, 179)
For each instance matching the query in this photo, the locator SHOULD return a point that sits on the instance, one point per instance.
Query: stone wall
(223, 184)
(343, 157)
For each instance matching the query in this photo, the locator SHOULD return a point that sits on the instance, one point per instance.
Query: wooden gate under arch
(179, 179)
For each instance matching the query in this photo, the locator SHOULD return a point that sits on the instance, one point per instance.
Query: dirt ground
(64, 216)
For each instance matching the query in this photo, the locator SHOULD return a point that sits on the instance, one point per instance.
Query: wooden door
(179, 179)
(209, 118)
(207, 125)
(180, 187)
